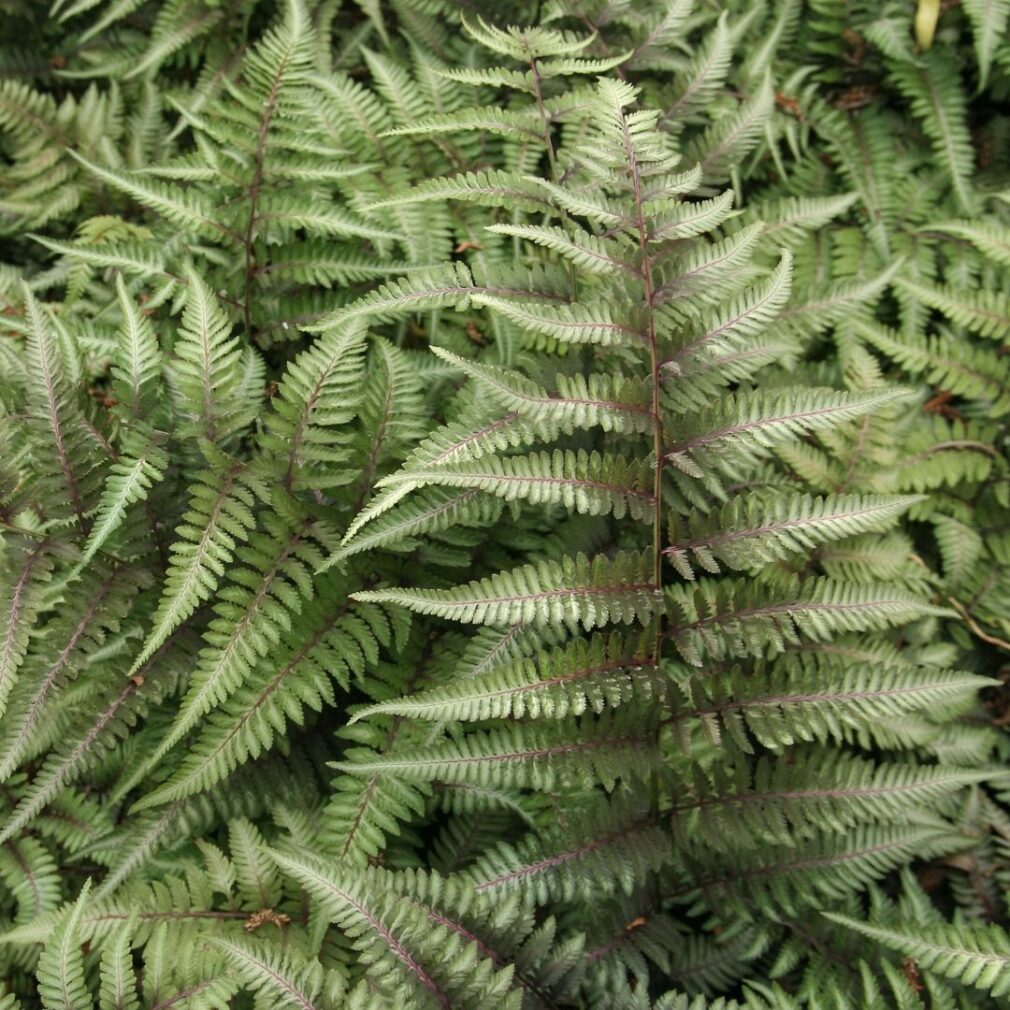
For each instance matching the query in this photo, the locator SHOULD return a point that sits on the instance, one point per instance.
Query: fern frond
(208, 369)
(451, 285)
(218, 519)
(137, 367)
(27, 566)
(580, 402)
(754, 530)
(591, 253)
(590, 592)
(317, 397)
(689, 220)
(489, 188)
(96, 609)
(250, 618)
(587, 675)
(280, 979)
(529, 757)
(31, 878)
(129, 481)
(794, 879)
(703, 76)
(589, 483)
(94, 732)
(339, 643)
(573, 324)
(61, 965)
(748, 423)
(60, 424)
(935, 94)
(134, 257)
(988, 24)
(745, 318)
(410, 956)
(779, 802)
(609, 849)
(791, 219)
(477, 433)
(833, 694)
(978, 956)
(184, 208)
(986, 313)
(989, 237)
(947, 364)
(427, 512)
(737, 618)
(725, 143)
(119, 981)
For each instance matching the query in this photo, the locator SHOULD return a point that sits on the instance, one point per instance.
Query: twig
(1000, 643)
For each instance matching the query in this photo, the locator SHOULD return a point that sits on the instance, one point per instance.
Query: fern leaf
(607, 849)
(778, 802)
(339, 642)
(587, 675)
(61, 965)
(491, 188)
(989, 237)
(316, 398)
(428, 512)
(748, 423)
(118, 979)
(592, 593)
(746, 318)
(137, 367)
(97, 608)
(588, 483)
(933, 88)
(947, 364)
(214, 394)
(249, 619)
(281, 979)
(26, 569)
(978, 956)
(363, 811)
(117, 709)
(219, 517)
(723, 618)
(581, 401)
(589, 252)
(528, 757)
(725, 143)
(791, 219)
(427, 289)
(988, 25)
(31, 878)
(129, 481)
(702, 78)
(476, 434)
(132, 257)
(60, 421)
(794, 879)
(410, 956)
(960, 546)
(986, 313)
(751, 531)
(574, 323)
(688, 220)
(184, 208)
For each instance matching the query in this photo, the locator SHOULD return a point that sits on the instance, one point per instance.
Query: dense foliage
(504, 516)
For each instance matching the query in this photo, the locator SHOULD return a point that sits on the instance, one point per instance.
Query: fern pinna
(444, 566)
